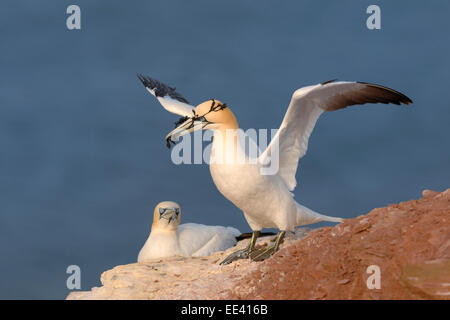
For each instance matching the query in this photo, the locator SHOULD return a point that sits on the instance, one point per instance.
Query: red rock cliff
(409, 241)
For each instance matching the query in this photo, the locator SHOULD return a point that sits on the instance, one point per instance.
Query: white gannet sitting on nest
(169, 238)
(267, 200)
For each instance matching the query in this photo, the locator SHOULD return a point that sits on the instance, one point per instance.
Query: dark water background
(83, 159)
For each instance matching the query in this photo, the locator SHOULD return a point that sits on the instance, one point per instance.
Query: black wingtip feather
(329, 81)
(400, 97)
(161, 89)
(143, 80)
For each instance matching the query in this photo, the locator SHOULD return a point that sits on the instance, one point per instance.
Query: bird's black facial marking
(197, 118)
(162, 211)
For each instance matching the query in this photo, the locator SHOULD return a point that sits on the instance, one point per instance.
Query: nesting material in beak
(188, 125)
(196, 122)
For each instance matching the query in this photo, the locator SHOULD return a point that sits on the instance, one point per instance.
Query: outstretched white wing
(171, 100)
(307, 104)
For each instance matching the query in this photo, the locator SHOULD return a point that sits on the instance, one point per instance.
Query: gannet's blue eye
(162, 210)
(177, 211)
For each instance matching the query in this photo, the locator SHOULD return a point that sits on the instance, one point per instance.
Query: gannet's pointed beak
(188, 125)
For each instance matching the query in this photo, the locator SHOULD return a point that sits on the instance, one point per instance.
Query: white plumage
(305, 108)
(267, 200)
(201, 240)
(168, 238)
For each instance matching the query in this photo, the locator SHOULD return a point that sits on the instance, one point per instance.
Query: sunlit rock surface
(409, 242)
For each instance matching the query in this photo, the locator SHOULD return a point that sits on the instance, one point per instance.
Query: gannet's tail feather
(307, 216)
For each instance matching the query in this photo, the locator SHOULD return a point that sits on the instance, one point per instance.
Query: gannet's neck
(164, 231)
(226, 147)
(164, 238)
(160, 243)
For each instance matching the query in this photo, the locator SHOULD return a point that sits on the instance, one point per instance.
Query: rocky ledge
(408, 243)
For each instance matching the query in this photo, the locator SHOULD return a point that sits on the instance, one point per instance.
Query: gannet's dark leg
(262, 254)
(244, 253)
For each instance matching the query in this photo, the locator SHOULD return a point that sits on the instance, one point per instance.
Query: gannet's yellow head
(166, 216)
(211, 114)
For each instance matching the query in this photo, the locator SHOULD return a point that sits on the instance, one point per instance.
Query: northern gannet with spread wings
(267, 200)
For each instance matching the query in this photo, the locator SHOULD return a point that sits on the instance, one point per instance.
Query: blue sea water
(83, 157)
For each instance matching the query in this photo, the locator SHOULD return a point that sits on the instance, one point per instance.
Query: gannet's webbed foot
(243, 253)
(239, 254)
(262, 254)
